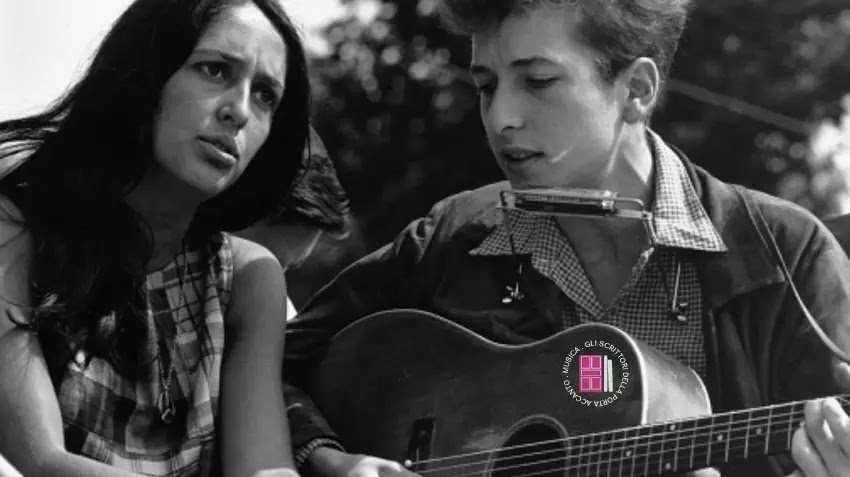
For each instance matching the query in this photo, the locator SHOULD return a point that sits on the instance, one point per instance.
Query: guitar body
(408, 385)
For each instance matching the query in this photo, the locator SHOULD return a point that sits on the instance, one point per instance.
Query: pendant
(513, 294)
(166, 407)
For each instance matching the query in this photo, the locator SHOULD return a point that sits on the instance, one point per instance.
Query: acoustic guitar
(590, 401)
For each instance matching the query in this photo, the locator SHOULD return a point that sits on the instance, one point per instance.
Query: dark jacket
(839, 225)
(759, 346)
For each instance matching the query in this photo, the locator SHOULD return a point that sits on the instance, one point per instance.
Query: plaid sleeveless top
(112, 419)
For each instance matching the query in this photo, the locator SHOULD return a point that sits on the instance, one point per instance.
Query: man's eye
(540, 83)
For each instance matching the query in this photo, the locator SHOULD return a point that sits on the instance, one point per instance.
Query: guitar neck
(682, 445)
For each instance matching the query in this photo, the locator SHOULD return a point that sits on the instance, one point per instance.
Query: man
(317, 205)
(566, 91)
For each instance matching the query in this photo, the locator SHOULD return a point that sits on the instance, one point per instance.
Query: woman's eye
(213, 69)
(267, 97)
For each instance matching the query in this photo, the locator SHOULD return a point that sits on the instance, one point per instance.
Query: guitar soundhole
(534, 450)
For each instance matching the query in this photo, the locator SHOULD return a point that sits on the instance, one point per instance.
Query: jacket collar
(747, 264)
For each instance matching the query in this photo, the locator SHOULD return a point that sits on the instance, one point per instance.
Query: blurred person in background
(317, 206)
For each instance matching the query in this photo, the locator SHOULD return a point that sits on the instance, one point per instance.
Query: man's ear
(642, 82)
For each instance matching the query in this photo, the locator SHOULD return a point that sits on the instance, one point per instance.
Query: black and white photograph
(424, 238)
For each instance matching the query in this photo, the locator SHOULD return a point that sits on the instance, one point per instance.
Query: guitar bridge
(421, 440)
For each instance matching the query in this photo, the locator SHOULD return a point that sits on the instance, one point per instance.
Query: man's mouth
(520, 154)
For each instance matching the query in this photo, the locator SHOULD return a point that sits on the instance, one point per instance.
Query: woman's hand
(333, 463)
(821, 447)
(281, 472)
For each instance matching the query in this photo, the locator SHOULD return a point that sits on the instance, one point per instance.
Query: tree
(398, 113)
(829, 158)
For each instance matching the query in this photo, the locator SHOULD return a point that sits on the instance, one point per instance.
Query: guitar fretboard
(682, 445)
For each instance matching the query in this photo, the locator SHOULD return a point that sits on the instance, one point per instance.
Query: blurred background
(759, 95)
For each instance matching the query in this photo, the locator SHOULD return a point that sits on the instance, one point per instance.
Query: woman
(119, 288)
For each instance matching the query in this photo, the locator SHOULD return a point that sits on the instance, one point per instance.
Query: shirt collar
(679, 218)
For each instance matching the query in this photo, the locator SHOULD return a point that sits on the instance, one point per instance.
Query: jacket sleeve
(803, 366)
(391, 277)
(771, 336)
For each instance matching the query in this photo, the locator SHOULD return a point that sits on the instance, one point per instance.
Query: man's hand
(333, 463)
(821, 448)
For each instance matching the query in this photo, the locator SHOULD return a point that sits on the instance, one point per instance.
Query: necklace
(164, 402)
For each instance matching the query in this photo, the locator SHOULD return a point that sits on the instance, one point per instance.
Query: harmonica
(578, 202)
(553, 201)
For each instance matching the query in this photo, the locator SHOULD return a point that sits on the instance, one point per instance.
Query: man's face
(290, 243)
(550, 118)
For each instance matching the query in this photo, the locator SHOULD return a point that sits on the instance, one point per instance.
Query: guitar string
(578, 440)
(646, 461)
(583, 437)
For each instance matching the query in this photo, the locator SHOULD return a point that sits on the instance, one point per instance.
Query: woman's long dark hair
(87, 151)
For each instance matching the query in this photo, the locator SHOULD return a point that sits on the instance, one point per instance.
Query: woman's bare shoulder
(12, 223)
(15, 255)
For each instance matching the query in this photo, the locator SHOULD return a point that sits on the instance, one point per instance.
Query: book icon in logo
(595, 374)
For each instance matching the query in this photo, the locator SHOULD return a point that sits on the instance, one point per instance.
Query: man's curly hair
(618, 30)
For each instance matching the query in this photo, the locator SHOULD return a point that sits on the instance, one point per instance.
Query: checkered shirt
(115, 420)
(642, 305)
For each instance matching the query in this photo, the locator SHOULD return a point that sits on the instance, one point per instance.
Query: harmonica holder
(562, 202)
(567, 202)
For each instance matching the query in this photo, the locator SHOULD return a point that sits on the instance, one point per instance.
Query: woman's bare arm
(31, 436)
(255, 434)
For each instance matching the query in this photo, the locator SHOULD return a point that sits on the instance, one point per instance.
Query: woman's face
(550, 118)
(215, 112)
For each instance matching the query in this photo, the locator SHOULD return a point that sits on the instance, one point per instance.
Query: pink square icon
(591, 373)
